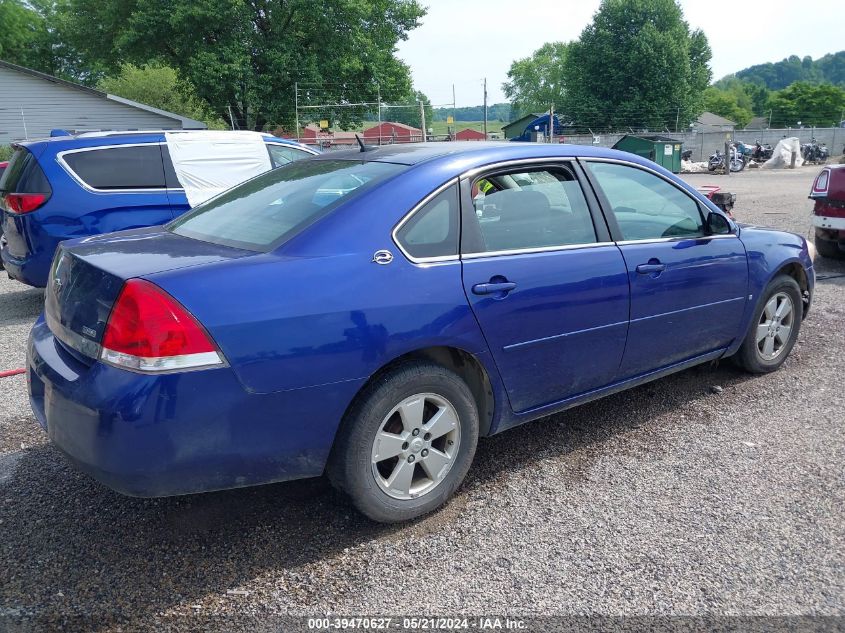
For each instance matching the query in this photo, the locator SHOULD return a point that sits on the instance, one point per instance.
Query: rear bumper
(33, 270)
(177, 433)
(829, 222)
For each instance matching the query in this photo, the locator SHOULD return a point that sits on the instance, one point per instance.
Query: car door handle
(645, 269)
(493, 287)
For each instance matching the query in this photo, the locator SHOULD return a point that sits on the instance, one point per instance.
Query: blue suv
(75, 186)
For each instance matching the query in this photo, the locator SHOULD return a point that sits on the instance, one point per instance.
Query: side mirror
(717, 224)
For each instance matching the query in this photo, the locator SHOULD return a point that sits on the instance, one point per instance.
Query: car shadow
(21, 306)
(72, 547)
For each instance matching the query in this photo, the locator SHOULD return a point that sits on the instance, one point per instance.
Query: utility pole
(454, 114)
(295, 106)
(378, 88)
(551, 123)
(422, 119)
(677, 119)
(485, 108)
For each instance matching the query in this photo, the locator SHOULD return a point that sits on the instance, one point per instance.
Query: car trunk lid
(86, 278)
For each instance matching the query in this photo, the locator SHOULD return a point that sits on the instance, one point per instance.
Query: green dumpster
(664, 151)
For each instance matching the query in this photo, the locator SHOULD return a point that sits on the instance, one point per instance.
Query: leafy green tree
(779, 75)
(726, 103)
(409, 112)
(31, 36)
(244, 56)
(18, 24)
(537, 82)
(160, 87)
(637, 65)
(819, 105)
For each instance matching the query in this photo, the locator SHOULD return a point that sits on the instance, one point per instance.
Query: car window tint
(24, 174)
(266, 211)
(527, 209)
(282, 155)
(645, 205)
(433, 230)
(135, 167)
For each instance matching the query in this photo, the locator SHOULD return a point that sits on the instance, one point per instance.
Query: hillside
(779, 75)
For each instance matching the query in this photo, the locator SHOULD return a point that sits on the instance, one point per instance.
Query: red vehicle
(829, 211)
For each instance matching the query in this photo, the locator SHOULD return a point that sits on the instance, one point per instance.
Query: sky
(462, 41)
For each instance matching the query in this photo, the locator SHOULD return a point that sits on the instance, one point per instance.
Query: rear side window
(282, 155)
(269, 209)
(131, 167)
(433, 230)
(528, 209)
(24, 175)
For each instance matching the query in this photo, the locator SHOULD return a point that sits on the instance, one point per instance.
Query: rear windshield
(264, 212)
(24, 175)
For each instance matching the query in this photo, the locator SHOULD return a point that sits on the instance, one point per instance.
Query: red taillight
(149, 330)
(24, 202)
(821, 184)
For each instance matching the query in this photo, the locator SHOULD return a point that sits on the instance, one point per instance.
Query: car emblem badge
(382, 257)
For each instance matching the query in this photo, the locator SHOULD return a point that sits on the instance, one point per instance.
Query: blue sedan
(370, 315)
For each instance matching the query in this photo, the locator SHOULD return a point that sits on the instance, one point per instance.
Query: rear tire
(407, 442)
(828, 248)
(774, 328)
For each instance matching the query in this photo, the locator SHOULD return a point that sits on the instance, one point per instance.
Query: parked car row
(75, 186)
(371, 314)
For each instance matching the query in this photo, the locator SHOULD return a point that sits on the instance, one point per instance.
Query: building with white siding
(33, 103)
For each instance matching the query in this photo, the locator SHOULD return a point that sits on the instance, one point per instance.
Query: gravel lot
(675, 498)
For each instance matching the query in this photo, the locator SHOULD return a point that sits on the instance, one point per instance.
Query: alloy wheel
(775, 326)
(416, 446)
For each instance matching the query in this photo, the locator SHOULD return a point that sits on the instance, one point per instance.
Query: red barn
(313, 135)
(390, 132)
(468, 134)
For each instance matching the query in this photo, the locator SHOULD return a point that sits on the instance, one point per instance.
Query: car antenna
(364, 148)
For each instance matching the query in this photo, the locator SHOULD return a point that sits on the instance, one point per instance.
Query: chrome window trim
(679, 238)
(549, 160)
(305, 149)
(539, 249)
(407, 217)
(627, 163)
(60, 158)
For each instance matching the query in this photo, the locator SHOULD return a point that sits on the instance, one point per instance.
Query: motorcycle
(761, 153)
(814, 152)
(736, 163)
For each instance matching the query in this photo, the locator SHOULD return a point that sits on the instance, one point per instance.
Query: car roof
(470, 154)
(126, 137)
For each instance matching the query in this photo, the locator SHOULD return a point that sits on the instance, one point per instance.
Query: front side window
(131, 167)
(269, 209)
(282, 155)
(433, 230)
(646, 206)
(527, 209)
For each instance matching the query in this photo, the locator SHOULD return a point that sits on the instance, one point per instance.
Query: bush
(5, 152)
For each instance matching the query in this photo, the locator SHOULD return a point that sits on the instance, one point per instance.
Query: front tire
(407, 443)
(828, 248)
(774, 329)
